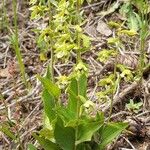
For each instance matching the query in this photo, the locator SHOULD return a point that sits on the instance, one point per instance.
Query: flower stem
(78, 5)
(51, 43)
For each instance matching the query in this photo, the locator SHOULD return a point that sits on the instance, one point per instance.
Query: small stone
(103, 28)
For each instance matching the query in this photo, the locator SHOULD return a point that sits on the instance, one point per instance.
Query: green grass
(15, 44)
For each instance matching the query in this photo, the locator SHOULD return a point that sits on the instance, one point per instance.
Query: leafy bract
(31, 147)
(86, 130)
(49, 105)
(46, 144)
(76, 88)
(65, 136)
(109, 132)
(50, 87)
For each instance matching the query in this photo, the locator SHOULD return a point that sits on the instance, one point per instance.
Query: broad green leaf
(82, 85)
(31, 147)
(86, 131)
(73, 104)
(67, 114)
(109, 132)
(133, 23)
(76, 89)
(46, 144)
(73, 93)
(87, 146)
(49, 105)
(51, 87)
(64, 136)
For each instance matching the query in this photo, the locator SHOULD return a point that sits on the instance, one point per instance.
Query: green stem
(114, 89)
(78, 34)
(52, 65)
(16, 44)
(78, 5)
(51, 43)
